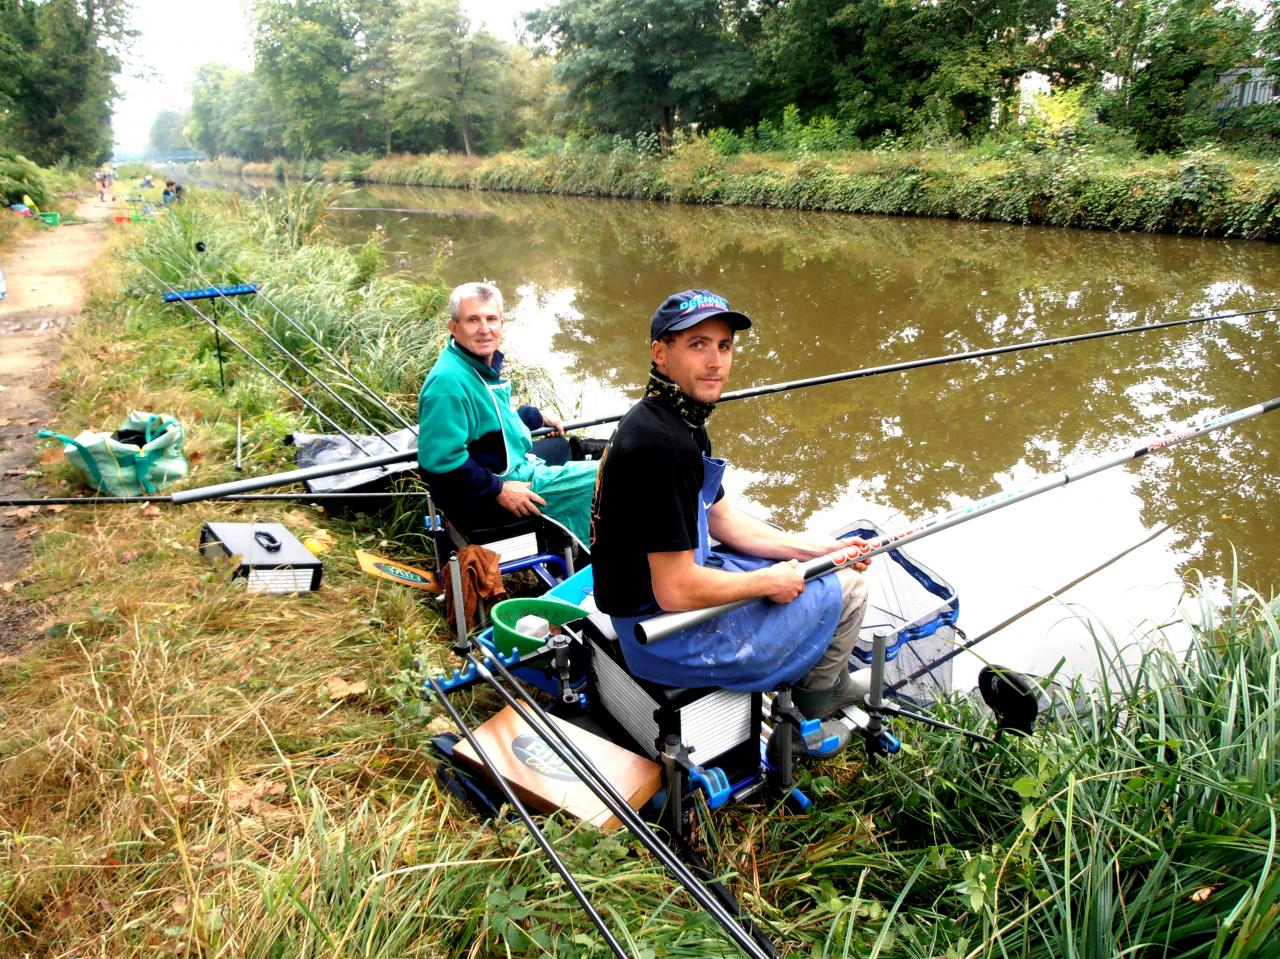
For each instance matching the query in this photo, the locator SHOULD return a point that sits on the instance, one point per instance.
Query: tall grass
(1206, 192)
(187, 769)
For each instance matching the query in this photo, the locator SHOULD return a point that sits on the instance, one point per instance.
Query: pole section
(937, 361)
(665, 624)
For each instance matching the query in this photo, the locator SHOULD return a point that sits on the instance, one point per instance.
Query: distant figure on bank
(482, 465)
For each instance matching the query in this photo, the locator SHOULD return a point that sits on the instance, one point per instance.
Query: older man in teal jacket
(476, 447)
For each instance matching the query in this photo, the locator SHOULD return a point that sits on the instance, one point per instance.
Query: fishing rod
(969, 644)
(666, 624)
(239, 497)
(316, 472)
(936, 361)
(523, 813)
(572, 756)
(202, 247)
(266, 369)
(186, 301)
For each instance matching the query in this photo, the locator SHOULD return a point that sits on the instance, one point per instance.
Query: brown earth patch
(47, 279)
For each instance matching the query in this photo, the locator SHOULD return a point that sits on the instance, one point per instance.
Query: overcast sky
(175, 38)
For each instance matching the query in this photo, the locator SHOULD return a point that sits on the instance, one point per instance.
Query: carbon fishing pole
(289, 355)
(523, 813)
(968, 644)
(668, 623)
(239, 498)
(937, 361)
(591, 777)
(202, 247)
(332, 469)
(266, 369)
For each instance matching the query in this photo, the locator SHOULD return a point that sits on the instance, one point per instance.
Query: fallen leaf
(150, 511)
(49, 456)
(240, 795)
(5, 421)
(180, 905)
(1201, 894)
(26, 532)
(56, 507)
(8, 587)
(22, 512)
(194, 457)
(296, 518)
(130, 555)
(339, 688)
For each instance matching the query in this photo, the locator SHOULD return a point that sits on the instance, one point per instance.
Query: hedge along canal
(1201, 192)
(832, 292)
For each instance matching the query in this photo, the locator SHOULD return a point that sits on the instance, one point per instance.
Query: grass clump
(189, 769)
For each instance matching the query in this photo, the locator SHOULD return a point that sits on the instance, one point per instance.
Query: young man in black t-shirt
(658, 507)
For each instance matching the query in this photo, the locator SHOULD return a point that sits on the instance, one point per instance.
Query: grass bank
(187, 769)
(1202, 192)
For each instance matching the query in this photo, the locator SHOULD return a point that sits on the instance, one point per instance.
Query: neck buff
(665, 391)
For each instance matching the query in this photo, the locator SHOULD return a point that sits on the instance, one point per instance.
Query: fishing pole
(968, 644)
(266, 369)
(666, 624)
(523, 813)
(202, 247)
(591, 777)
(238, 497)
(936, 361)
(186, 301)
(316, 472)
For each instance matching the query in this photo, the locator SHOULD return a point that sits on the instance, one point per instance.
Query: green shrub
(19, 177)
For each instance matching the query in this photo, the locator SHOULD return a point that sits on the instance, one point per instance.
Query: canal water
(832, 292)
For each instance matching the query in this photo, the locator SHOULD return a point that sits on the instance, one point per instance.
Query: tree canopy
(419, 75)
(60, 58)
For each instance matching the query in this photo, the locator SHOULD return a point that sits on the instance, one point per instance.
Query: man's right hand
(519, 498)
(784, 581)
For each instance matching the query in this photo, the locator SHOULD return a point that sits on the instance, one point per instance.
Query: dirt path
(47, 280)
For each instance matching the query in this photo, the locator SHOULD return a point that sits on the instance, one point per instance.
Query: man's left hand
(815, 547)
(553, 424)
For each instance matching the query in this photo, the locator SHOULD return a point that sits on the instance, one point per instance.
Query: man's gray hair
(484, 292)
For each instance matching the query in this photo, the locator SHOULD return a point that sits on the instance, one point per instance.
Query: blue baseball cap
(683, 310)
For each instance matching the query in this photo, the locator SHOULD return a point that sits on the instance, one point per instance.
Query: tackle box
(266, 556)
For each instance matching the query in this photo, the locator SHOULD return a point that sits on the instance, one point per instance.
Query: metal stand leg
(673, 815)
(459, 606)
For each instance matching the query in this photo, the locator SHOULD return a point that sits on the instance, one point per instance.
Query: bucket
(507, 613)
(51, 219)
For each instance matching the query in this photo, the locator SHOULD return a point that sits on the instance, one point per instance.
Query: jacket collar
(489, 371)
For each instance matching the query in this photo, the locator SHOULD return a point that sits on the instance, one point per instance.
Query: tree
(166, 131)
(303, 49)
(635, 65)
(232, 114)
(1184, 47)
(57, 86)
(368, 87)
(448, 69)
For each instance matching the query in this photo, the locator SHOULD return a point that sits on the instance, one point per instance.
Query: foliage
(19, 177)
(232, 114)
(447, 70)
(56, 88)
(167, 131)
(643, 65)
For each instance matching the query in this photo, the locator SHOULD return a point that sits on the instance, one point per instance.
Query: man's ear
(658, 352)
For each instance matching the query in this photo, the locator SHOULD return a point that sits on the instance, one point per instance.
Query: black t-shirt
(646, 501)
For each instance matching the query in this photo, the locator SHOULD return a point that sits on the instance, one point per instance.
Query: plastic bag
(142, 456)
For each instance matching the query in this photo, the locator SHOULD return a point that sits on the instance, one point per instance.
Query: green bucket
(507, 613)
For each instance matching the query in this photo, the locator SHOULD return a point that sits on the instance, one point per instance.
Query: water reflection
(832, 292)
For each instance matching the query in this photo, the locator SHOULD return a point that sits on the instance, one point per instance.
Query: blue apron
(753, 648)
